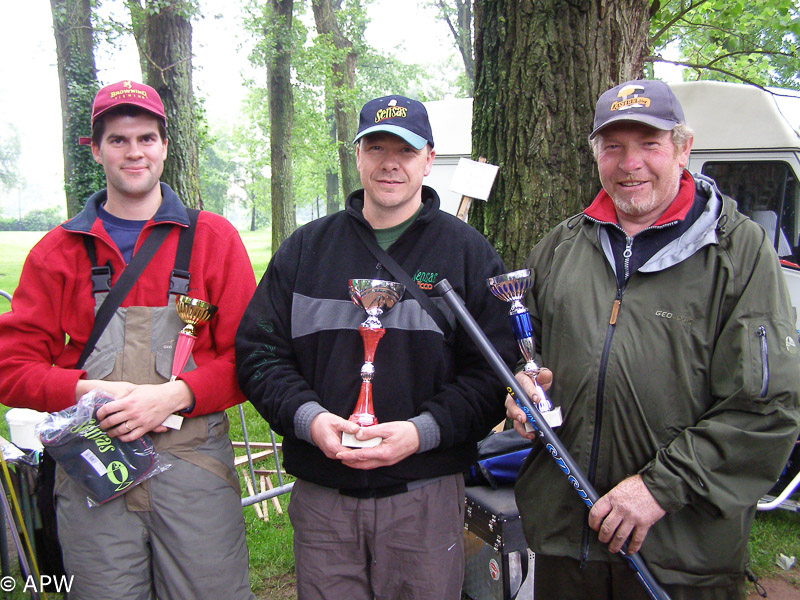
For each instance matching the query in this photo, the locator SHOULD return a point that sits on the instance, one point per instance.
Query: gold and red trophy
(375, 296)
(193, 313)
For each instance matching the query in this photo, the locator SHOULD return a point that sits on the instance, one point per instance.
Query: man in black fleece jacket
(383, 521)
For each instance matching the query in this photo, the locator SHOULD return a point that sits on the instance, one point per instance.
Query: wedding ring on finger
(127, 427)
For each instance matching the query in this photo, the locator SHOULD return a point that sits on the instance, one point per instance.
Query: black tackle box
(499, 565)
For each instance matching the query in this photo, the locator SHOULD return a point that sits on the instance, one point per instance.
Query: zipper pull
(615, 311)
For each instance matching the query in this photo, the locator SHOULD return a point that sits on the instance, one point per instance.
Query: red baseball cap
(126, 92)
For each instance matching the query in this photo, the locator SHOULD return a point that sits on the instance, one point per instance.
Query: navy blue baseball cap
(645, 101)
(399, 116)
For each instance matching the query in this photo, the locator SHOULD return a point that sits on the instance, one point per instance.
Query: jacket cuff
(302, 420)
(668, 489)
(430, 435)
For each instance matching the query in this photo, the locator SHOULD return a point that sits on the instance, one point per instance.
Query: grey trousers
(409, 546)
(190, 545)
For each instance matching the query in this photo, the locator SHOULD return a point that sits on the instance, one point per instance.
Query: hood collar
(354, 205)
(171, 210)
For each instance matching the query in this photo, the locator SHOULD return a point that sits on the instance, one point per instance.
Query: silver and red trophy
(511, 287)
(375, 296)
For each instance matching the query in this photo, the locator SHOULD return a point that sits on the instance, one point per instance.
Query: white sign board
(473, 179)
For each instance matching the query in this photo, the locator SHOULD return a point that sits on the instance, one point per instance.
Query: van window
(764, 191)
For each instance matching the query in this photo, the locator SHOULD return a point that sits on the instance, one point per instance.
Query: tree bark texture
(168, 44)
(541, 65)
(281, 117)
(341, 88)
(77, 79)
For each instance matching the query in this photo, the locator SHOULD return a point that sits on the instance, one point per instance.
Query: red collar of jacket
(602, 208)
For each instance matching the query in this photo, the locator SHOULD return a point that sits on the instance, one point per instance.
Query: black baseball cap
(399, 116)
(642, 100)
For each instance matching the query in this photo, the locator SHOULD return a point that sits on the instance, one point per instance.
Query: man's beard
(636, 206)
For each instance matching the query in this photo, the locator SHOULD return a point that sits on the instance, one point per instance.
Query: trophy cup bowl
(375, 296)
(193, 312)
(511, 288)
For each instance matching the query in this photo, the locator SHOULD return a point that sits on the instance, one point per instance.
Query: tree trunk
(139, 30)
(77, 78)
(462, 34)
(168, 51)
(540, 68)
(345, 113)
(281, 117)
(332, 203)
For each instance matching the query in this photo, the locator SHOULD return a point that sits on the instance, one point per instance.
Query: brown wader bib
(138, 346)
(147, 545)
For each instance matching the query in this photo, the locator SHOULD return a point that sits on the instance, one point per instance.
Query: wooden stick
(251, 491)
(264, 504)
(466, 201)
(463, 208)
(240, 460)
(275, 501)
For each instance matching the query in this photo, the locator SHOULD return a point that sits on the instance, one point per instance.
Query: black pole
(546, 435)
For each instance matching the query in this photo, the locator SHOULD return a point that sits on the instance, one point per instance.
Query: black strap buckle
(101, 279)
(179, 282)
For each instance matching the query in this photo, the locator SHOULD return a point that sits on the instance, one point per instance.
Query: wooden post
(249, 485)
(264, 504)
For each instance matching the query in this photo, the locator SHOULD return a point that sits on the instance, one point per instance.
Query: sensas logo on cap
(393, 111)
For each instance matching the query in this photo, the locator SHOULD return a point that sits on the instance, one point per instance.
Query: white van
(746, 139)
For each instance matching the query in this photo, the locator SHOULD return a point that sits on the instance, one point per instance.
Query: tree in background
(251, 138)
(9, 159)
(163, 33)
(217, 170)
(77, 80)
(458, 16)
(730, 40)
(314, 156)
(539, 69)
(274, 25)
(281, 111)
(340, 94)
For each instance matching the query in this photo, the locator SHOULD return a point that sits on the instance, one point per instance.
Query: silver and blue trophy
(511, 287)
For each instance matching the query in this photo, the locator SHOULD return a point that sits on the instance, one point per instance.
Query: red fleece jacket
(53, 309)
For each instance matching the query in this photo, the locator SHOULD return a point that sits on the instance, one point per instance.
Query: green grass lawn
(14, 247)
(270, 542)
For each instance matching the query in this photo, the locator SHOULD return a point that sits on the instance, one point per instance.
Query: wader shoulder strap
(179, 279)
(404, 278)
(123, 285)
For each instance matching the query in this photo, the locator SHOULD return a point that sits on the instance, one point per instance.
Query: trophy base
(173, 421)
(349, 440)
(552, 417)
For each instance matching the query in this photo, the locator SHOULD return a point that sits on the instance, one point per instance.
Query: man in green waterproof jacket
(665, 319)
